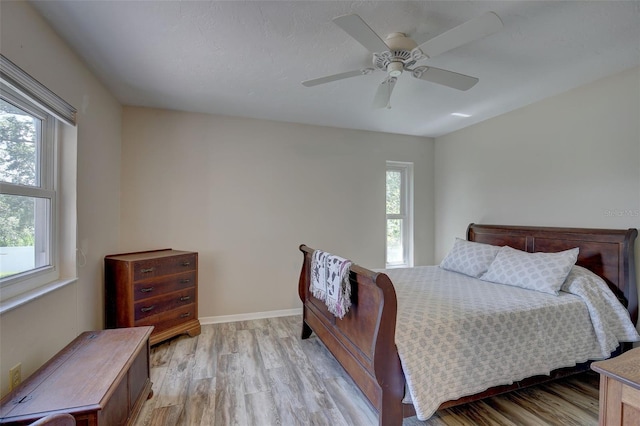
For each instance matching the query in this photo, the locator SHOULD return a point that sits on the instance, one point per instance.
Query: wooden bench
(101, 378)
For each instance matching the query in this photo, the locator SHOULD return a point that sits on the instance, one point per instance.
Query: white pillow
(543, 272)
(469, 258)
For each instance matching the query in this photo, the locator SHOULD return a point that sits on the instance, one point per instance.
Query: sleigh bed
(364, 341)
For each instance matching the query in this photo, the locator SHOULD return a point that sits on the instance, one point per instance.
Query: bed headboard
(607, 252)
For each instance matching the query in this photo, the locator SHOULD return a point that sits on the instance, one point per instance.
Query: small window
(399, 211)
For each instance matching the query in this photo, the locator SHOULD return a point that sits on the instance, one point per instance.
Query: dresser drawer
(150, 268)
(156, 305)
(169, 319)
(162, 285)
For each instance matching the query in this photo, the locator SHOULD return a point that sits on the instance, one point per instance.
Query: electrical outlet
(15, 376)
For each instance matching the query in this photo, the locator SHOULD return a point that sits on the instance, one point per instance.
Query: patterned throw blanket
(330, 281)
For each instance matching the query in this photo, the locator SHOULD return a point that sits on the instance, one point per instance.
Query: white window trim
(14, 77)
(406, 212)
(47, 172)
(20, 88)
(24, 298)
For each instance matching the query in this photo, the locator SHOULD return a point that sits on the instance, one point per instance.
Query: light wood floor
(260, 373)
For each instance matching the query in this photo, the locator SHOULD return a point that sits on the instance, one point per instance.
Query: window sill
(22, 299)
(398, 266)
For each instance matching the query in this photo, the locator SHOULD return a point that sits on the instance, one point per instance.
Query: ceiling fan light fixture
(395, 69)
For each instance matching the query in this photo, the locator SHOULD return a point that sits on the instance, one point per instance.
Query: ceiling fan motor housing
(398, 56)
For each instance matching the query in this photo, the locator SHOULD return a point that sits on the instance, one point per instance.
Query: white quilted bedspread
(458, 336)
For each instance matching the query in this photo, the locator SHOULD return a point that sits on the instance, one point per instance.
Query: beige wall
(246, 193)
(32, 333)
(570, 160)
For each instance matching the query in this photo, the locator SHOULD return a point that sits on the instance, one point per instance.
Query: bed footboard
(363, 342)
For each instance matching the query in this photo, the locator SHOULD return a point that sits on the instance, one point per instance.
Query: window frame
(45, 188)
(15, 80)
(406, 213)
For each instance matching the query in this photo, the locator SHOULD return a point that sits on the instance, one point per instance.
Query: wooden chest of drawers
(158, 288)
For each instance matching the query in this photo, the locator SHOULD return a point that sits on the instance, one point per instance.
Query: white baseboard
(250, 316)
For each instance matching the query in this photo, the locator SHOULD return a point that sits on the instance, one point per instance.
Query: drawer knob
(185, 298)
(185, 280)
(147, 309)
(186, 263)
(186, 314)
(146, 290)
(146, 271)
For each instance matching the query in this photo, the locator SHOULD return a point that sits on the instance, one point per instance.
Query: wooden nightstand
(619, 389)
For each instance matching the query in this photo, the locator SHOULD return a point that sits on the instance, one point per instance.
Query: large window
(37, 247)
(399, 209)
(28, 195)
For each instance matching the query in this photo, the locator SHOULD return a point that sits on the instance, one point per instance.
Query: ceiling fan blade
(358, 29)
(445, 78)
(474, 29)
(334, 77)
(382, 99)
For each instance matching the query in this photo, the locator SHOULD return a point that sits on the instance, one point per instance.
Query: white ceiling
(247, 58)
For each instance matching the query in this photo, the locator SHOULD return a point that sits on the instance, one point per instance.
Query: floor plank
(261, 409)
(205, 355)
(261, 373)
(251, 363)
(355, 411)
(229, 400)
(201, 405)
(289, 403)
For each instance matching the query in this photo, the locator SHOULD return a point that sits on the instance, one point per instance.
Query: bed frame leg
(391, 413)
(306, 330)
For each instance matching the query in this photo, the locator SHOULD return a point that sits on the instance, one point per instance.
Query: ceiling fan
(400, 53)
